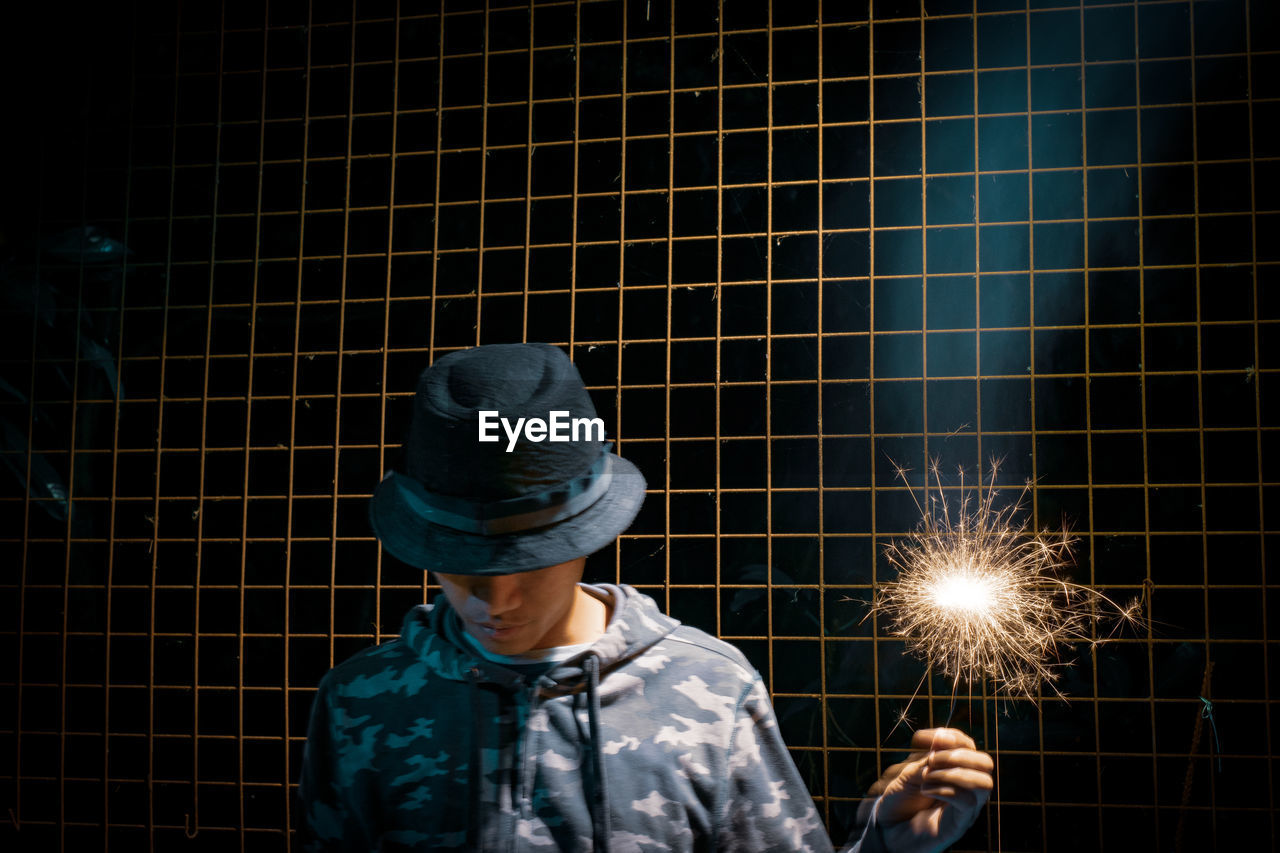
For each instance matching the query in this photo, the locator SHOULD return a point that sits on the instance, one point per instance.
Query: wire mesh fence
(789, 246)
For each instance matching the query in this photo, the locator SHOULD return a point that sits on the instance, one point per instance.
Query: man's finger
(956, 778)
(891, 772)
(970, 758)
(901, 796)
(965, 801)
(941, 738)
(913, 771)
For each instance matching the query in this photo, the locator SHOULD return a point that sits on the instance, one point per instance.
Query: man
(526, 711)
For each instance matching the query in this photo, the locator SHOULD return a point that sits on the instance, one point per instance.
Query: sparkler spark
(979, 596)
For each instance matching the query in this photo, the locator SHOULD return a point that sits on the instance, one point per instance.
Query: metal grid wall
(787, 246)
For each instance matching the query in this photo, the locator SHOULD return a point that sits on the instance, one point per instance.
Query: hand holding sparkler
(928, 802)
(979, 596)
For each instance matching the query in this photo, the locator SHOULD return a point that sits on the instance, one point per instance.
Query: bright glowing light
(962, 590)
(978, 596)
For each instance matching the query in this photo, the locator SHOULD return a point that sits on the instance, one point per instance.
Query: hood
(434, 633)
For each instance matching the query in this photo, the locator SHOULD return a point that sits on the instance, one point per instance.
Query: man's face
(514, 614)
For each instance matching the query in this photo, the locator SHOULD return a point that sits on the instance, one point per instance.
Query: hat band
(514, 514)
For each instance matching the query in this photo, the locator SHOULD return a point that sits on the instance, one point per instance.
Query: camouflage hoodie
(657, 738)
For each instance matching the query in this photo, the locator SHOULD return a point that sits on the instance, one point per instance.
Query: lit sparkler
(979, 596)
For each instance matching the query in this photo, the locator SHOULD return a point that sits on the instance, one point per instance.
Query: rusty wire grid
(787, 245)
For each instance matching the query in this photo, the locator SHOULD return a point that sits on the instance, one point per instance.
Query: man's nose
(500, 592)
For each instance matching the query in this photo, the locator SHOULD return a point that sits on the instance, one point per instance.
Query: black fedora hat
(506, 468)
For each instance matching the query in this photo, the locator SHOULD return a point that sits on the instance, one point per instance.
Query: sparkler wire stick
(981, 597)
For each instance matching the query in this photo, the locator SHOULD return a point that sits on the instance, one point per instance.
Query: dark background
(787, 246)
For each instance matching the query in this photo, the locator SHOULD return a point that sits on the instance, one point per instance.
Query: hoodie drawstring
(593, 770)
(473, 764)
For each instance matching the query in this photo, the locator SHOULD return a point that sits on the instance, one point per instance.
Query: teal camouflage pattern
(420, 744)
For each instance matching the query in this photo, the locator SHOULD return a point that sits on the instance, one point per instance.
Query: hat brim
(412, 539)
